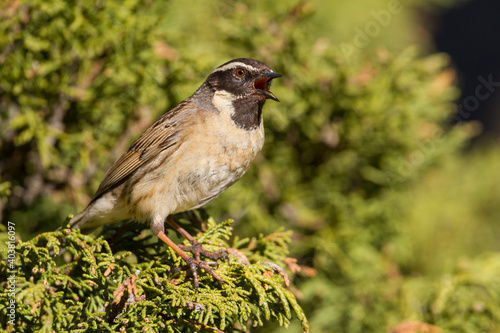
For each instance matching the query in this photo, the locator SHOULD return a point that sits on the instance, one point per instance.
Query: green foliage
(74, 283)
(465, 301)
(61, 43)
(458, 232)
(4, 191)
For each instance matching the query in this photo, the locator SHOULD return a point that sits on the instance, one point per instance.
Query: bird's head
(242, 78)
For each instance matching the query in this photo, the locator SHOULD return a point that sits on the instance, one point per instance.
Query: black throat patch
(248, 112)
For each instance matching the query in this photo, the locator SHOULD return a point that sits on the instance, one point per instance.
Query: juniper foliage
(71, 282)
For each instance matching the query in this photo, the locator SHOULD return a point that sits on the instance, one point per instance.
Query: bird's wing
(160, 136)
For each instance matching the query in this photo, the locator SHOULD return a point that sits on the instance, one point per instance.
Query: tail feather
(79, 221)
(99, 212)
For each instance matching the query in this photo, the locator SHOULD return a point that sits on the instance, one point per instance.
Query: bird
(188, 157)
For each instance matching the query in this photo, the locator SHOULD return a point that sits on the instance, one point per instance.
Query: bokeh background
(382, 156)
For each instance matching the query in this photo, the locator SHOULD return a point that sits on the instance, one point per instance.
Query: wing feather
(160, 136)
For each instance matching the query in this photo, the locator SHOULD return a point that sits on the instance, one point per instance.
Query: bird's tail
(80, 221)
(98, 213)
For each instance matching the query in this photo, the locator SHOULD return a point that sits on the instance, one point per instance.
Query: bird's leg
(192, 263)
(196, 247)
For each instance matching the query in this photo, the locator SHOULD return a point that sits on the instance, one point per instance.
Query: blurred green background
(392, 195)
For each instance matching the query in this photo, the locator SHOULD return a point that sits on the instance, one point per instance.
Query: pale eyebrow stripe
(234, 65)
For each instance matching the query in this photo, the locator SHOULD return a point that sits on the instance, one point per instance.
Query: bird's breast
(220, 157)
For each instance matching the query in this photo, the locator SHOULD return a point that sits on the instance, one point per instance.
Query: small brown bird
(188, 157)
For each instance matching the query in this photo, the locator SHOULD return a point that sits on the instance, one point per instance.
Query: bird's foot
(194, 265)
(198, 250)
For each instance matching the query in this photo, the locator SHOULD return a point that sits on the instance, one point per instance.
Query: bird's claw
(198, 250)
(194, 264)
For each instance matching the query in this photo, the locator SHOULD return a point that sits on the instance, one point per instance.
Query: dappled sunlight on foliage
(75, 283)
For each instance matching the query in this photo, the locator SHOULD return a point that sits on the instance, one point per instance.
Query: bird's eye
(240, 72)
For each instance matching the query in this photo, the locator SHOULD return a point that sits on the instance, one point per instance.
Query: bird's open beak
(263, 83)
